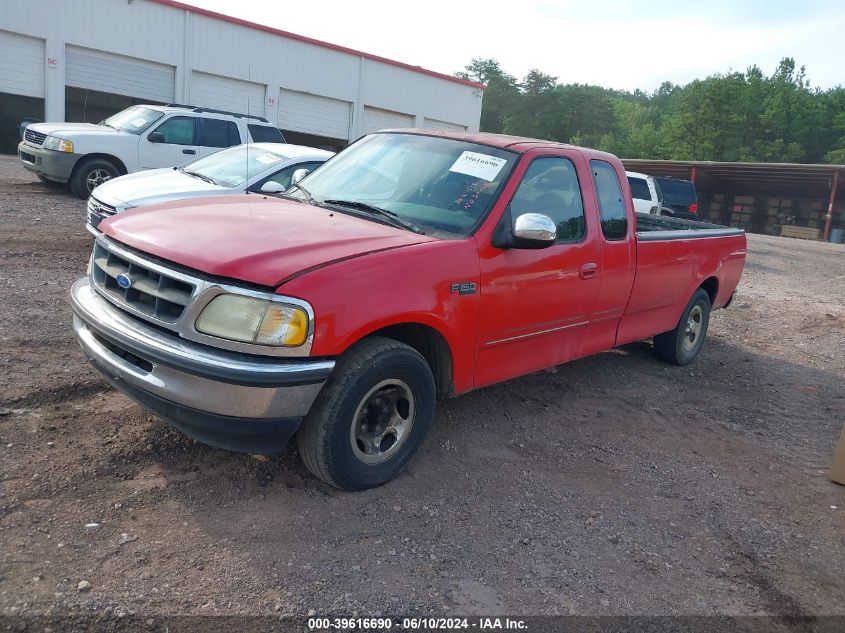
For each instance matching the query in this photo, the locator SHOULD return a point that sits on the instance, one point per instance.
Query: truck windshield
(435, 183)
(133, 120)
(234, 166)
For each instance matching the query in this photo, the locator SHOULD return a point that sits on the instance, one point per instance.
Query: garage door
(116, 74)
(225, 93)
(375, 119)
(21, 65)
(312, 114)
(434, 124)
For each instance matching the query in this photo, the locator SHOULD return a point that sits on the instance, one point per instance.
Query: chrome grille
(143, 289)
(97, 211)
(36, 138)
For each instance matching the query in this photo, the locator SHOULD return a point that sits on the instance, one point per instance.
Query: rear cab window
(614, 218)
(265, 134)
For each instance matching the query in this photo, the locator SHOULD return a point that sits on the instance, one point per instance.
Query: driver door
(535, 304)
(176, 143)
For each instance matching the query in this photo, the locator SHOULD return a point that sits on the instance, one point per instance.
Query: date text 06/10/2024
(415, 624)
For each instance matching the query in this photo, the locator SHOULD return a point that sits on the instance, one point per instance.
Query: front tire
(90, 174)
(681, 345)
(371, 416)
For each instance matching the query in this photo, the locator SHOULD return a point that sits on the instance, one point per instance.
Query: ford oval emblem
(123, 280)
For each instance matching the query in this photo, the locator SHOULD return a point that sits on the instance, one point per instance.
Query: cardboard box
(837, 468)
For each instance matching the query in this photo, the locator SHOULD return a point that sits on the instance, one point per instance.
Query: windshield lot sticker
(478, 165)
(267, 159)
(138, 122)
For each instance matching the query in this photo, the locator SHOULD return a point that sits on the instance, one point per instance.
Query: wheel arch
(429, 341)
(711, 287)
(121, 166)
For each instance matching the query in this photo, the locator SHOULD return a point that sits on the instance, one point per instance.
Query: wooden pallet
(800, 232)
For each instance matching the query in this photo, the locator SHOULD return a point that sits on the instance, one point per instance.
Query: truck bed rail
(652, 228)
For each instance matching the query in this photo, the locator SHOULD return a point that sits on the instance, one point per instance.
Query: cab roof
(519, 144)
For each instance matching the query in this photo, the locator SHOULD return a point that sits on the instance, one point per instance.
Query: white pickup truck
(85, 155)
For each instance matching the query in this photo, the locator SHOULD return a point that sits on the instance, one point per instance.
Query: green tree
(538, 107)
(500, 96)
(724, 117)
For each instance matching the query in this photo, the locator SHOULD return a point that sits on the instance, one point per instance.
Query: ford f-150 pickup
(411, 266)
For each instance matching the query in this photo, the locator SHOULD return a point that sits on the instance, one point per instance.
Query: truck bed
(652, 228)
(673, 259)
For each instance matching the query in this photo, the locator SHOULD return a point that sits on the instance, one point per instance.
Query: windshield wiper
(308, 197)
(395, 218)
(196, 174)
(104, 124)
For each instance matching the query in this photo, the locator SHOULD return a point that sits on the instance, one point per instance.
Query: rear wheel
(681, 345)
(371, 416)
(90, 174)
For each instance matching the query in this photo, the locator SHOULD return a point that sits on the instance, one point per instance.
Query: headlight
(58, 144)
(251, 320)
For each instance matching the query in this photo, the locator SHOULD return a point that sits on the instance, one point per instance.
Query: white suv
(141, 137)
(646, 193)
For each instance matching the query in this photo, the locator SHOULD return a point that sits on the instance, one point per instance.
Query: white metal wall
(434, 124)
(313, 114)
(225, 93)
(376, 119)
(21, 65)
(190, 42)
(119, 74)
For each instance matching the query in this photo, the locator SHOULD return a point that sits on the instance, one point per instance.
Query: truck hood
(252, 238)
(72, 128)
(153, 186)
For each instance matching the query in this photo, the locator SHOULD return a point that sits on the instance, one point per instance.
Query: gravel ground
(612, 485)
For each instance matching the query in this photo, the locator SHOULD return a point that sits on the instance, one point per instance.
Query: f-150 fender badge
(465, 288)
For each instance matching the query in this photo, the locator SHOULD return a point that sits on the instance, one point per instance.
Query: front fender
(412, 284)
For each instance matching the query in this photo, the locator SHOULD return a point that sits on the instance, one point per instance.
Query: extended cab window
(614, 218)
(180, 130)
(550, 186)
(265, 134)
(219, 133)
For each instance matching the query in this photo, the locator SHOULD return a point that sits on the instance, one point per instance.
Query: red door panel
(618, 261)
(535, 304)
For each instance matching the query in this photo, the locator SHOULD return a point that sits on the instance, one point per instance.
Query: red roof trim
(310, 40)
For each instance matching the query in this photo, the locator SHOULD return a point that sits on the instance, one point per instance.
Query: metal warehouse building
(86, 59)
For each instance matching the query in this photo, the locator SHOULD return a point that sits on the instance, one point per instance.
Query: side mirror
(156, 137)
(298, 175)
(271, 186)
(534, 230)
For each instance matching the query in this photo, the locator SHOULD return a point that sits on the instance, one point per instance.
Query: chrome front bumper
(203, 391)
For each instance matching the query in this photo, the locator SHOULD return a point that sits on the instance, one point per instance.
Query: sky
(611, 43)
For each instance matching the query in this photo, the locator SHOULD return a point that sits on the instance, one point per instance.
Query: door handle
(588, 271)
(189, 151)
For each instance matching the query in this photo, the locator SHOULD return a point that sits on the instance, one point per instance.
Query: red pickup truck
(413, 265)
